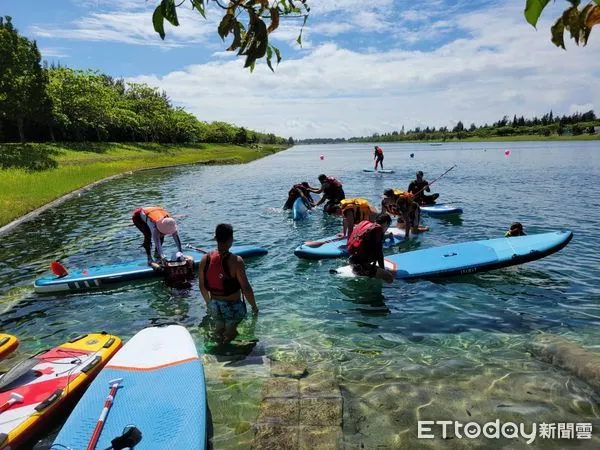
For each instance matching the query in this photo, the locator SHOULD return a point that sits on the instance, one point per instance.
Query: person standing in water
(378, 157)
(222, 279)
(332, 191)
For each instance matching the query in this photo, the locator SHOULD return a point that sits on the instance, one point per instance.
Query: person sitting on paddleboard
(299, 190)
(418, 187)
(353, 211)
(516, 229)
(155, 223)
(223, 280)
(378, 157)
(365, 246)
(401, 204)
(332, 191)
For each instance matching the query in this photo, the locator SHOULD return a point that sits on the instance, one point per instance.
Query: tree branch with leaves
(578, 23)
(251, 39)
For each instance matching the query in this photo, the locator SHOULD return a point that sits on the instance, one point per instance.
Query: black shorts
(362, 269)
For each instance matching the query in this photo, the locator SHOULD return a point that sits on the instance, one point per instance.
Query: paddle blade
(58, 269)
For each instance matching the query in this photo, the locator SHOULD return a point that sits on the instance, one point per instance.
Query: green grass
(32, 175)
(527, 137)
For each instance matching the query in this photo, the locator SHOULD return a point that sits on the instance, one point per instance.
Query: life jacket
(379, 151)
(403, 195)
(358, 235)
(334, 182)
(217, 279)
(155, 213)
(302, 188)
(359, 206)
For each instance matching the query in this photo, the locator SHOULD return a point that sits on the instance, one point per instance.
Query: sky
(364, 67)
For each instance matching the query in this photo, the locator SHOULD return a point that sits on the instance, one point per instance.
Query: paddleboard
(440, 209)
(47, 381)
(8, 344)
(335, 247)
(471, 257)
(299, 209)
(101, 276)
(162, 394)
(378, 170)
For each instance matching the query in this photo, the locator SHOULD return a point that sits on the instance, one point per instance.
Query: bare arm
(380, 261)
(240, 274)
(348, 223)
(201, 280)
(315, 190)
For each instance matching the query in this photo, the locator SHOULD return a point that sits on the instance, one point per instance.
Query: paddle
(197, 249)
(14, 398)
(317, 244)
(114, 385)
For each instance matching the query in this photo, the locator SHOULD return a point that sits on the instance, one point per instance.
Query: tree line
(547, 125)
(47, 103)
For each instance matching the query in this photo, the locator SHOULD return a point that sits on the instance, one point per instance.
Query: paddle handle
(429, 184)
(196, 248)
(103, 414)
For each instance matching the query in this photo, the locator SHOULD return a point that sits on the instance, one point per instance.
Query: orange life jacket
(155, 213)
(359, 206)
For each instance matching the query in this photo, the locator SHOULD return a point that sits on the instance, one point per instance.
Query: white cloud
(580, 108)
(503, 67)
(53, 52)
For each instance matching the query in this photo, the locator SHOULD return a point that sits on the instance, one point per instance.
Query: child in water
(516, 229)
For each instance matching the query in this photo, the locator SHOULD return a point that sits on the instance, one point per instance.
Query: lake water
(456, 349)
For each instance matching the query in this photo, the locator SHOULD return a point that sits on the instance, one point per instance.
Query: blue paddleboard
(335, 247)
(440, 209)
(471, 257)
(378, 170)
(101, 276)
(162, 394)
(299, 209)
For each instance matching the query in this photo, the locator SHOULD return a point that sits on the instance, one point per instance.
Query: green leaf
(570, 19)
(158, 22)
(199, 5)
(533, 9)
(237, 37)
(557, 32)
(269, 56)
(170, 12)
(226, 25)
(278, 53)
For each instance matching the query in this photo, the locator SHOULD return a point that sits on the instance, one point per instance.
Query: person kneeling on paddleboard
(155, 223)
(299, 190)
(365, 246)
(418, 187)
(402, 204)
(353, 211)
(332, 191)
(516, 229)
(378, 156)
(222, 279)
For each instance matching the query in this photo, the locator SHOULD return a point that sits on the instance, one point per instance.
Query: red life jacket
(334, 182)
(378, 150)
(217, 279)
(359, 233)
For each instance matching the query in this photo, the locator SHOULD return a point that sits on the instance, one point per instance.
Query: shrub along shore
(32, 175)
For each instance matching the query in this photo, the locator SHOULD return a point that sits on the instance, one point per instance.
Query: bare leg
(385, 275)
(230, 333)
(219, 331)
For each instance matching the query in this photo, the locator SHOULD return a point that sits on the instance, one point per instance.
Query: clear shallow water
(453, 349)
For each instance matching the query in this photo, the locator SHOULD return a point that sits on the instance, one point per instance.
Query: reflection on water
(441, 350)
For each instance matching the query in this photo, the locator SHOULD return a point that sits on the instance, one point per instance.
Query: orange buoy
(58, 269)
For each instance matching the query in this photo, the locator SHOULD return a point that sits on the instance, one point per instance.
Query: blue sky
(364, 67)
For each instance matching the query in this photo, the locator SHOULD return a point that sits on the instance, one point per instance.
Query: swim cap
(167, 225)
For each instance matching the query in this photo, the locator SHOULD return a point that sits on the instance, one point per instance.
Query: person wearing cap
(516, 229)
(155, 223)
(378, 156)
(333, 192)
(418, 187)
(224, 285)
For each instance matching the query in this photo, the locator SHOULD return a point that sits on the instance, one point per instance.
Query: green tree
(22, 79)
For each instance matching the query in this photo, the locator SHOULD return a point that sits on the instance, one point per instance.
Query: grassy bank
(32, 175)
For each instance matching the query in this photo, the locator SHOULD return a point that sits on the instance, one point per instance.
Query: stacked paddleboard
(101, 276)
(33, 391)
(8, 344)
(161, 392)
(335, 247)
(471, 257)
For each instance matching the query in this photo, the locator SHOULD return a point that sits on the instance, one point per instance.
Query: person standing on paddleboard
(222, 279)
(365, 246)
(332, 191)
(378, 157)
(418, 187)
(155, 223)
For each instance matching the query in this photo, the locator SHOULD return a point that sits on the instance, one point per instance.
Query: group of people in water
(222, 276)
